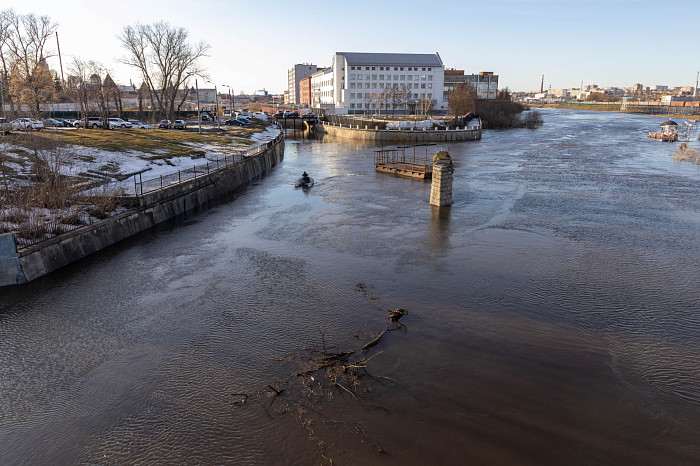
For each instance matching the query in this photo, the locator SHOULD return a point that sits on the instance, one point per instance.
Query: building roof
(410, 59)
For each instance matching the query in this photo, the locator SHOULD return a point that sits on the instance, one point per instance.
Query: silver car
(27, 124)
(118, 123)
(139, 124)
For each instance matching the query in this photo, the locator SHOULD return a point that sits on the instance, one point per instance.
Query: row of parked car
(293, 114)
(177, 124)
(27, 124)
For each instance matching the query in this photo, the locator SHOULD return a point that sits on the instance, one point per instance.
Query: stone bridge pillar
(441, 187)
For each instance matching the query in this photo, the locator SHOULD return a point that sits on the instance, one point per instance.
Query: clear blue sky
(253, 43)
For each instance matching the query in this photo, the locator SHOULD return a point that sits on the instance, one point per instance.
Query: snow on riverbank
(82, 161)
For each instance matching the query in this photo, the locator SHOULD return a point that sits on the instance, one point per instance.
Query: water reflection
(440, 228)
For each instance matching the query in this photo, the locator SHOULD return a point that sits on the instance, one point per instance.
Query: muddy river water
(553, 316)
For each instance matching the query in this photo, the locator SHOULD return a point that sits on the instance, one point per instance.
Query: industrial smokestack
(542, 85)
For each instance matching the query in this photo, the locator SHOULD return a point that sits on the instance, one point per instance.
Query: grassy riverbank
(58, 177)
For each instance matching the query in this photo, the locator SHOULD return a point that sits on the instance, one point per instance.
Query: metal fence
(33, 232)
(142, 186)
(380, 124)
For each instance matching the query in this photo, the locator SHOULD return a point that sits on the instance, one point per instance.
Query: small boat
(668, 133)
(301, 184)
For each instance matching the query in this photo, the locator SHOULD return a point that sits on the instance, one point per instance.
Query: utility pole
(216, 98)
(60, 62)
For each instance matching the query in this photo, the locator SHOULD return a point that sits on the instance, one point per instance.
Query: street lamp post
(230, 98)
(199, 118)
(231, 95)
(216, 98)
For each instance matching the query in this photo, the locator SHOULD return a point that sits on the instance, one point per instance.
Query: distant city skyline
(608, 43)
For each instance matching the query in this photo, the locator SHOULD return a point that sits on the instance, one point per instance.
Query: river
(552, 316)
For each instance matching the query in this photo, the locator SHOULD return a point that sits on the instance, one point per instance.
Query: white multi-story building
(296, 74)
(380, 82)
(322, 91)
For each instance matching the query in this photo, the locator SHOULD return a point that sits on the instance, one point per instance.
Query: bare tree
(503, 94)
(395, 98)
(26, 37)
(425, 105)
(165, 59)
(112, 93)
(404, 97)
(145, 91)
(368, 102)
(6, 19)
(461, 100)
(90, 91)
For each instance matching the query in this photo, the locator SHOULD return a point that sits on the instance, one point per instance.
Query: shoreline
(19, 266)
(612, 110)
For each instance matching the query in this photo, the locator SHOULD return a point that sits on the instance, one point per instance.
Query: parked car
(27, 124)
(293, 114)
(93, 122)
(118, 123)
(5, 126)
(309, 115)
(179, 124)
(67, 122)
(204, 117)
(164, 124)
(278, 114)
(53, 122)
(287, 113)
(138, 124)
(234, 122)
(243, 120)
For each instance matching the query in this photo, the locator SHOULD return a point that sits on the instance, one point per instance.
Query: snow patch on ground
(413, 124)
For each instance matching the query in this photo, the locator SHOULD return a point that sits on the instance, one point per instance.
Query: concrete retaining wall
(371, 135)
(37, 260)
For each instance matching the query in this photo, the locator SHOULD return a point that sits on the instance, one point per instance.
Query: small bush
(533, 119)
(72, 219)
(97, 212)
(15, 216)
(687, 154)
(497, 114)
(55, 229)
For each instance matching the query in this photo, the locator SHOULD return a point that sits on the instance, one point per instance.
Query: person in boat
(305, 178)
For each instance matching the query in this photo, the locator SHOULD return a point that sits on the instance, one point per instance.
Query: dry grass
(687, 154)
(159, 143)
(48, 205)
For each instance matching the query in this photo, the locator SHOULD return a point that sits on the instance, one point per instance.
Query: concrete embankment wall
(371, 135)
(159, 206)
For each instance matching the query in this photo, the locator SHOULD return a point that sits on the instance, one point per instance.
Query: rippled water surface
(553, 316)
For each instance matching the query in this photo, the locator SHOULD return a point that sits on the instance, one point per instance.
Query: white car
(118, 123)
(139, 124)
(27, 124)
